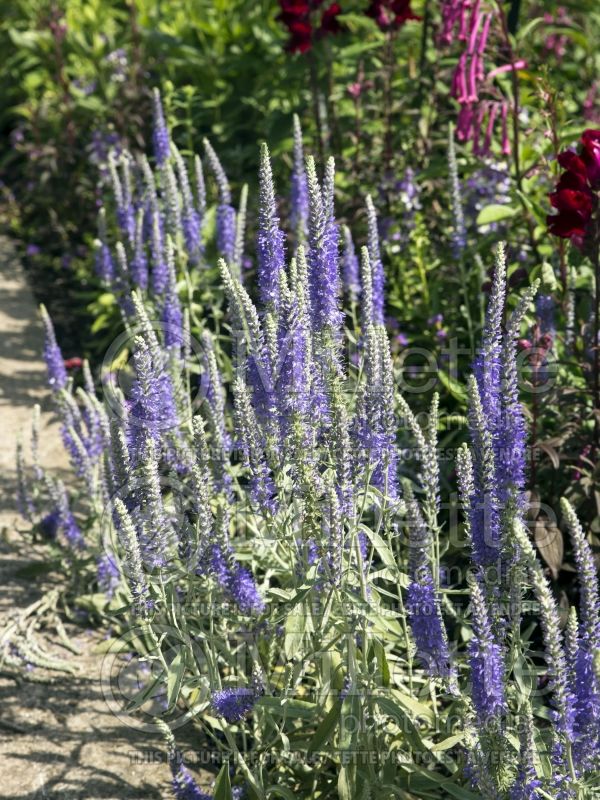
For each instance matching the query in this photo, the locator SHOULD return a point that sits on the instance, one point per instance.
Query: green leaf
(294, 709)
(223, 784)
(281, 791)
(326, 727)
(175, 677)
(454, 387)
(495, 213)
(524, 32)
(449, 742)
(347, 782)
(295, 627)
(379, 652)
(382, 548)
(405, 723)
(144, 693)
(96, 602)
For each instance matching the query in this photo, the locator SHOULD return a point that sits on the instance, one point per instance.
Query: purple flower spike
(423, 603)
(322, 257)
(299, 189)
(270, 239)
(236, 580)
(107, 574)
(184, 786)
(350, 267)
(487, 668)
(160, 135)
(376, 264)
(233, 704)
(57, 374)
(226, 218)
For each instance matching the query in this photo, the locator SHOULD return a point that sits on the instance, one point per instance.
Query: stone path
(59, 739)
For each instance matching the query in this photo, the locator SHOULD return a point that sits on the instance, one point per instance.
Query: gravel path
(58, 738)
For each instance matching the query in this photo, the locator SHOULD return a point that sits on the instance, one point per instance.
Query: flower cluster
(233, 704)
(306, 22)
(391, 14)
(575, 197)
(481, 107)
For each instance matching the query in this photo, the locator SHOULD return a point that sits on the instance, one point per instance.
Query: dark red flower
(329, 20)
(73, 363)
(303, 30)
(590, 156)
(574, 198)
(390, 14)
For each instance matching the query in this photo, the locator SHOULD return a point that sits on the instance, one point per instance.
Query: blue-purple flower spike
(350, 266)
(487, 667)
(160, 269)
(488, 365)
(233, 704)
(323, 265)
(376, 264)
(183, 784)
(160, 135)
(423, 603)
(57, 374)
(299, 188)
(459, 232)
(512, 434)
(586, 686)
(270, 238)
(226, 215)
(172, 316)
(105, 268)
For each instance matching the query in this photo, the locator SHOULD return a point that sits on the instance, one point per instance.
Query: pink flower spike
(520, 64)
(474, 33)
(490, 128)
(478, 122)
(480, 68)
(454, 86)
(473, 96)
(461, 79)
(505, 139)
(463, 123)
(484, 34)
(462, 29)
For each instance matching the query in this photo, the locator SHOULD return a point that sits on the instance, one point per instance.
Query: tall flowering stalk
(585, 647)
(497, 430)
(270, 241)
(160, 136)
(423, 602)
(322, 257)
(57, 374)
(378, 279)
(576, 201)
(482, 107)
(225, 211)
(299, 187)
(555, 658)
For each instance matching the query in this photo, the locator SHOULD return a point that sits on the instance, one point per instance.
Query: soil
(59, 739)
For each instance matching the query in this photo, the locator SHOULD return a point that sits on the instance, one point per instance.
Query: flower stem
(596, 402)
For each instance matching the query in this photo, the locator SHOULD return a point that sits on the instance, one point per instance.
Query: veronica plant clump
(243, 493)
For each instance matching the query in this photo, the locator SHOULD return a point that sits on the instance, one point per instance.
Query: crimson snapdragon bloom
(575, 195)
(304, 23)
(391, 14)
